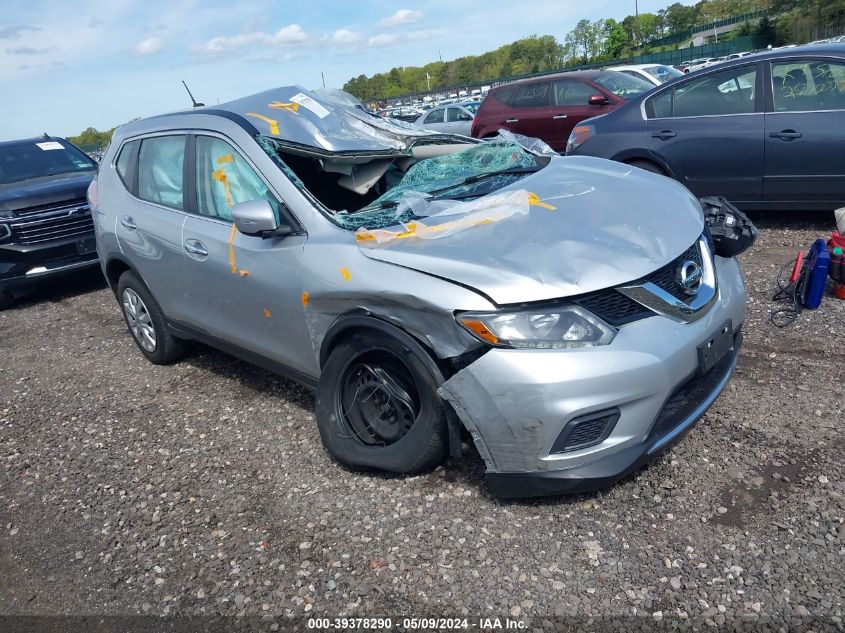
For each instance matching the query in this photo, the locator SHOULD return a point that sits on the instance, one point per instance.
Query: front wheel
(377, 405)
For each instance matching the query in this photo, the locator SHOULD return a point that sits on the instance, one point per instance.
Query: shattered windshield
(454, 174)
(476, 171)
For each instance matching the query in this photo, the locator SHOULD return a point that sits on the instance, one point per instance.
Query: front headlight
(558, 327)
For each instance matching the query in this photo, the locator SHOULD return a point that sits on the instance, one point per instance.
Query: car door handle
(128, 222)
(785, 135)
(664, 135)
(558, 117)
(511, 120)
(195, 247)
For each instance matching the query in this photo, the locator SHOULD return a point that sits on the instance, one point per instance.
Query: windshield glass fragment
(374, 192)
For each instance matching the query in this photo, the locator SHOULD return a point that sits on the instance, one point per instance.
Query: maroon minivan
(549, 107)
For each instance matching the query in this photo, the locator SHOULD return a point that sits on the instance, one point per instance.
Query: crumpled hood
(48, 190)
(612, 224)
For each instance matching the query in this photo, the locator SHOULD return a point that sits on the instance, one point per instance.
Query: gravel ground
(202, 488)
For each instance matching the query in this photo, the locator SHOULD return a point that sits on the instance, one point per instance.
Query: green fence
(670, 58)
(700, 28)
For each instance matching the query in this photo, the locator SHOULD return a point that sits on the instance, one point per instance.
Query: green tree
(91, 139)
(616, 39)
(680, 18)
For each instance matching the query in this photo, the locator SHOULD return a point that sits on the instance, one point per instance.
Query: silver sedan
(452, 119)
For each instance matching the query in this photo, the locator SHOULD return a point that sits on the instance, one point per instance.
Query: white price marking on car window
(307, 102)
(48, 145)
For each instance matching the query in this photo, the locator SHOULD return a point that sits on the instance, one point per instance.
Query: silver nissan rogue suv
(573, 316)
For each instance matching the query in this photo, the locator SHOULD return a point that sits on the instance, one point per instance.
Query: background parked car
(549, 107)
(767, 132)
(451, 119)
(700, 64)
(657, 74)
(45, 221)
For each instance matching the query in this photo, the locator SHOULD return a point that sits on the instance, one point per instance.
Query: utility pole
(637, 22)
(323, 75)
(428, 80)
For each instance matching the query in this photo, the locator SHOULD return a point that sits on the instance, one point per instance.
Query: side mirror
(256, 217)
(598, 100)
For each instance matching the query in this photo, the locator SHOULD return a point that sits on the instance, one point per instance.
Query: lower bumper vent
(586, 430)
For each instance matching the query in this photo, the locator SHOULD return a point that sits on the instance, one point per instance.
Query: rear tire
(146, 322)
(648, 165)
(377, 405)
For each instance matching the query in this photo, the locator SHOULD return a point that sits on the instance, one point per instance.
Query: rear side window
(570, 92)
(504, 94)
(533, 95)
(803, 86)
(435, 116)
(160, 170)
(126, 164)
(224, 179)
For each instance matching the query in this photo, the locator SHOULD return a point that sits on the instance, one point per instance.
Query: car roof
(634, 66)
(328, 121)
(571, 74)
(819, 50)
(34, 139)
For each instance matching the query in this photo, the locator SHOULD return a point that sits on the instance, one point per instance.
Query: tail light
(580, 135)
(93, 195)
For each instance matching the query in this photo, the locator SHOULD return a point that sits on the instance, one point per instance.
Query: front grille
(666, 278)
(613, 307)
(684, 400)
(53, 225)
(50, 206)
(586, 430)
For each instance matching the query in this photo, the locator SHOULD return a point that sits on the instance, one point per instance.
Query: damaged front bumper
(565, 421)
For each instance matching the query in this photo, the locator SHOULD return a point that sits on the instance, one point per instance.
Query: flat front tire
(378, 407)
(146, 322)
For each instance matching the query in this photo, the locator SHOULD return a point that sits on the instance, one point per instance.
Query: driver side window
(224, 179)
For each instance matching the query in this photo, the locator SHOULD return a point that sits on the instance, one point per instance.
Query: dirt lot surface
(202, 488)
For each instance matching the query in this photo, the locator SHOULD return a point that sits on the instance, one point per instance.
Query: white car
(702, 63)
(657, 74)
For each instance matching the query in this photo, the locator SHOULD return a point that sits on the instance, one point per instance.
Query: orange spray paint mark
(225, 158)
(344, 272)
(220, 176)
(305, 299)
(267, 314)
(534, 199)
(232, 263)
(279, 105)
(274, 125)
